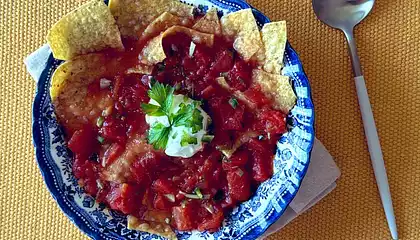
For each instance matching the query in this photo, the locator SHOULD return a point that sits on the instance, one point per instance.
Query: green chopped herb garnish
(158, 135)
(100, 121)
(207, 138)
(188, 115)
(100, 139)
(192, 49)
(152, 110)
(233, 102)
(198, 193)
(187, 139)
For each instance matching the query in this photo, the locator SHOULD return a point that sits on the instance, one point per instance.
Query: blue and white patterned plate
(247, 221)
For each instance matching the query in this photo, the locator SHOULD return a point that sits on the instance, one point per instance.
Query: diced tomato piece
(189, 64)
(226, 117)
(223, 62)
(213, 222)
(239, 184)
(202, 57)
(112, 153)
(132, 97)
(83, 142)
(271, 121)
(140, 174)
(163, 186)
(125, 198)
(189, 182)
(114, 129)
(262, 166)
(255, 96)
(258, 145)
(238, 159)
(208, 92)
(233, 120)
(161, 202)
(151, 160)
(183, 217)
(239, 78)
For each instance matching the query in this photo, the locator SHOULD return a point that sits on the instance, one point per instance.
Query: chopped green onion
(104, 83)
(239, 172)
(100, 121)
(224, 74)
(100, 139)
(198, 192)
(233, 102)
(192, 49)
(207, 138)
(107, 111)
(187, 139)
(175, 135)
(170, 197)
(209, 208)
(184, 204)
(194, 196)
(99, 184)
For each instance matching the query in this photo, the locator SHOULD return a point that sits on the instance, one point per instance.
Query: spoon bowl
(342, 14)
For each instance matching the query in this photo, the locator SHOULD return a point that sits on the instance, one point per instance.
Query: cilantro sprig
(187, 115)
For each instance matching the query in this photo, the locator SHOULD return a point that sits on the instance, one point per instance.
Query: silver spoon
(345, 15)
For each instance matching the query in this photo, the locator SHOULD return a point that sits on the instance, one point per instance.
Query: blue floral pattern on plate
(247, 221)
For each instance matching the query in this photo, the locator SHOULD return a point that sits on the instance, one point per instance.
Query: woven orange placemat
(389, 45)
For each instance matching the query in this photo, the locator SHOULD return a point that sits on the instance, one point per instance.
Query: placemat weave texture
(389, 47)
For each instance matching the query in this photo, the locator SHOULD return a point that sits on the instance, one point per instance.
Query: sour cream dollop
(176, 147)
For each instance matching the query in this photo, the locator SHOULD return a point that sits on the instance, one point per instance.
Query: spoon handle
(372, 137)
(376, 154)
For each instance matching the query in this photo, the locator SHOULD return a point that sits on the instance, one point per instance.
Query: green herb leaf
(188, 116)
(187, 139)
(158, 135)
(100, 121)
(233, 102)
(152, 110)
(207, 138)
(159, 92)
(183, 115)
(198, 193)
(167, 105)
(100, 139)
(196, 121)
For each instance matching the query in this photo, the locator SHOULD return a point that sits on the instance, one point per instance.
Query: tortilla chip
(209, 23)
(160, 24)
(133, 16)
(140, 69)
(161, 229)
(277, 88)
(242, 28)
(154, 53)
(259, 57)
(274, 37)
(80, 72)
(89, 28)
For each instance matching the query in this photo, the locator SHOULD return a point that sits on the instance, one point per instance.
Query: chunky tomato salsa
(115, 162)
